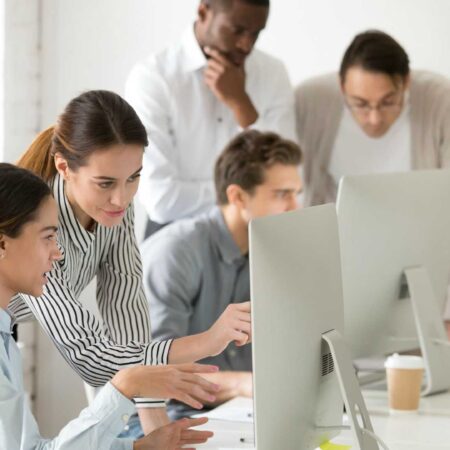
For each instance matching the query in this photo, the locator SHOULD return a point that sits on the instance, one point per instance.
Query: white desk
(377, 403)
(406, 432)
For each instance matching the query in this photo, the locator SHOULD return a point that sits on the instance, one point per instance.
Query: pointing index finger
(244, 306)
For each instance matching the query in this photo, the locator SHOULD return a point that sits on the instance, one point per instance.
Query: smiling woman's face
(28, 257)
(102, 189)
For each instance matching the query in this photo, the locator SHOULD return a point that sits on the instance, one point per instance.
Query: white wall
(19, 112)
(2, 79)
(92, 44)
(21, 75)
(311, 36)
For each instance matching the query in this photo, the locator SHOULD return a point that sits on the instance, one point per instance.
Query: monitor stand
(350, 390)
(430, 329)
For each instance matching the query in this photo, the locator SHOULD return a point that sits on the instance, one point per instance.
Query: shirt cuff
(157, 353)
(141, 402)
(111, 405)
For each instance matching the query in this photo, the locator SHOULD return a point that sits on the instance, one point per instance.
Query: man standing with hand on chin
(195, 96)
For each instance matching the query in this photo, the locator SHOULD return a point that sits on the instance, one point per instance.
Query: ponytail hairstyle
(21, 194)
(94, 120)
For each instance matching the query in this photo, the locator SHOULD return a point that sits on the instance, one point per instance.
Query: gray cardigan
(319, 107)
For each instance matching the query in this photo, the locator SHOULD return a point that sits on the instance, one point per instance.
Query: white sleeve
(278, 114)
(97, 426)
(164, 194)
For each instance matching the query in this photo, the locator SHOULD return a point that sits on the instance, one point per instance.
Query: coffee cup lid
(397, 361)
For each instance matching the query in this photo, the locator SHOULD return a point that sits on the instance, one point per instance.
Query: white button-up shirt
(95, 428)
(188, 126)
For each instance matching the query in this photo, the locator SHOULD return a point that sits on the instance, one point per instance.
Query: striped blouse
(95, 349)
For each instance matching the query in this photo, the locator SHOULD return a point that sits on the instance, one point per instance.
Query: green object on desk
(330, 446)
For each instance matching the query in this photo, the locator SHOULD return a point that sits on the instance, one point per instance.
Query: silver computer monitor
(395, 239)
(296, 295)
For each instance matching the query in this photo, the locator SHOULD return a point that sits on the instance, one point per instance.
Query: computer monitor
(302, 372)
(395, 249)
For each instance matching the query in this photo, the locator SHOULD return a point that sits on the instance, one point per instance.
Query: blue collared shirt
(96, 427)
(193, 270)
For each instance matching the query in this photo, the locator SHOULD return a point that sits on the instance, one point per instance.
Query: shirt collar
(192, 57)
(224, 241)
(78, 234)
(6, 321)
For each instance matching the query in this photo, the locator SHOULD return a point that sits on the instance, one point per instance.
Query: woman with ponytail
(92, 159)
(28, 249)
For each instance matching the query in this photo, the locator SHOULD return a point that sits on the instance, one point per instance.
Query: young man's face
(233, 31)
(276, 195)
(375, 99)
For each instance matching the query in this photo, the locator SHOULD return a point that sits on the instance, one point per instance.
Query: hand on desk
(232, 384)
(174, 436)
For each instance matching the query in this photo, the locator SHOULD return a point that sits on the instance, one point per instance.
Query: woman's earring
(2, 255)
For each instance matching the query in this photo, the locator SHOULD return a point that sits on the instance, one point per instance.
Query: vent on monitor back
(327, 364)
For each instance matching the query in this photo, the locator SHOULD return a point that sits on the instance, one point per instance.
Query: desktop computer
(395, 249)
(302, 370)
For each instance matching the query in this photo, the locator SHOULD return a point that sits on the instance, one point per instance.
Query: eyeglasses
(383, 107)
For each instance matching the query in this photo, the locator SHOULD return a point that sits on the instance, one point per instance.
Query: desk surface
(427, 430)
(438, 404)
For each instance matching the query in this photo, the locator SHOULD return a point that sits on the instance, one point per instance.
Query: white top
(96, 427)
(355, 153)
(188, 126)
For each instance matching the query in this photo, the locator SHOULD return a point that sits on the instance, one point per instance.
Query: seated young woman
(28, 250)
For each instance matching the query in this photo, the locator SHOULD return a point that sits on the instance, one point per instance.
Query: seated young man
(196, 268)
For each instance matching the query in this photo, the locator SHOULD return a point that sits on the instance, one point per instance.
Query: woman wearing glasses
(374, 116)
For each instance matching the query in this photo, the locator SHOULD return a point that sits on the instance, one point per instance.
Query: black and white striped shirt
(95, 350)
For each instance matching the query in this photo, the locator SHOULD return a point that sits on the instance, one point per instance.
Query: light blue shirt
(96, 427)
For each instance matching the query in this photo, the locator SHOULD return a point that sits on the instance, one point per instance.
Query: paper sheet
(229, 414)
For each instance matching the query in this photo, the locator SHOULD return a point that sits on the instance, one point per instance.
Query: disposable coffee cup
(404, 379)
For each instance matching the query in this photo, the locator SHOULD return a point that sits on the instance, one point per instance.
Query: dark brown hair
(375, 51)
(245, 159)
(21, 194)
(91, 121)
